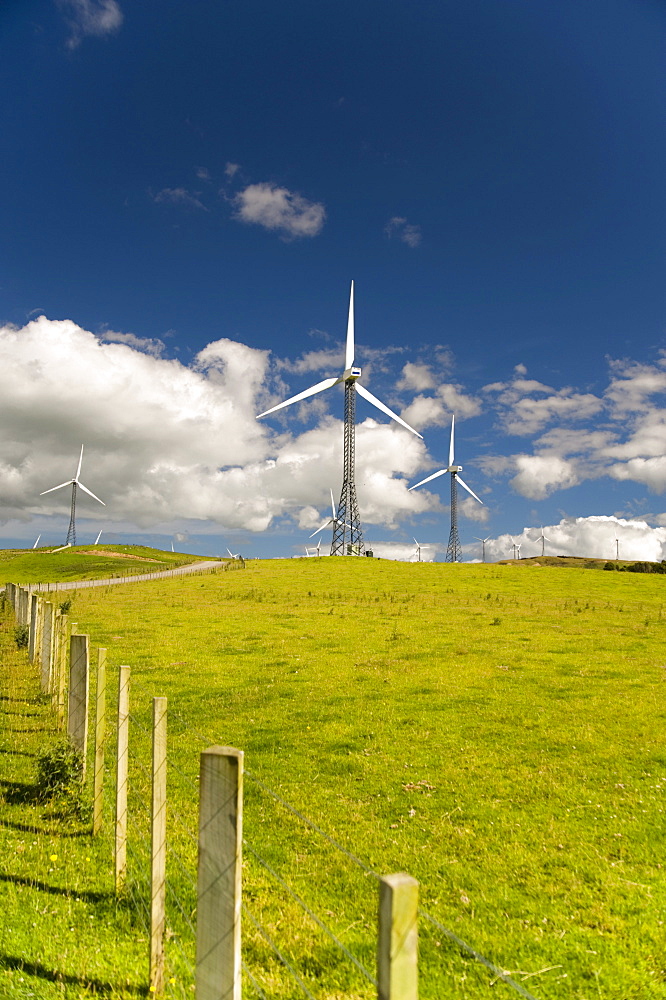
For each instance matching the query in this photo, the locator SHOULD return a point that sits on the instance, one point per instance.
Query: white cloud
(91, 17)
(149, 345)
(166, 442)
(179, 196)
(231, 169)
(281, 210)
(404, 231)
(592, 537)
(417, 377)
(404, 551)
(540, 475)
(650, 471)
(436, 411)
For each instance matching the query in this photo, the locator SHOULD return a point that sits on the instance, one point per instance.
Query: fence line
(216, 892)
(198, 568)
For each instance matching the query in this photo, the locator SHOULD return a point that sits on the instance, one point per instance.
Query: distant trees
(638, 567)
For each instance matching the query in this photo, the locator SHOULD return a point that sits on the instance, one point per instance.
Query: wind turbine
(98, 537)
(454, 551)
(543, 540)
(233, 555)
(347, 532)
(37, 541)
(74, 483)
(483, 546)
(331, 520)
(617, 548)
(419, 546)
(515, 545)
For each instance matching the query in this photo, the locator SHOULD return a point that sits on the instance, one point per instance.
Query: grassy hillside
(86, 562)
(495, 732)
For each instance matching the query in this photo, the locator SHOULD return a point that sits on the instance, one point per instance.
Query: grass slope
(85, 562)
(497, 733)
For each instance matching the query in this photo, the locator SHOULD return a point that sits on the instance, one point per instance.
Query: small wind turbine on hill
(454, 551)
(483, 546)
(334, 520)
(233, 555)
(75, 483)
(347, 532)
(419, 546)
(543, 540)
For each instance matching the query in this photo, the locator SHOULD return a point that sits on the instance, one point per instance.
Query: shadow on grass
(46, 831)
(94, 986)
(52, 890)
(18, 793)
(18, 753)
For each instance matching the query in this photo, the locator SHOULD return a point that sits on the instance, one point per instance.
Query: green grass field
(495, 731)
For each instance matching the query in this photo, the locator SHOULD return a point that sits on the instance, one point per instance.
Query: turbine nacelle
(455, 468)
(351, 373)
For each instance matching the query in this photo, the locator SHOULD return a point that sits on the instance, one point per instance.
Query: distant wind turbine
(454, 551)
(334, 520)
(483, 546)
(74, 483)
(419, 546)
(347, 531)
(233, 555)
(37, 541)
(543, 540)
(617, 548)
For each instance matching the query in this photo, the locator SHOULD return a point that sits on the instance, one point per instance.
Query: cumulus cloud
(540, 475)
(278, 209)
(399, 228)
(149, 345)
(592, 537)
(94, 18)
(418, 377)
(436, 411)
(526, 406)
(166, 441)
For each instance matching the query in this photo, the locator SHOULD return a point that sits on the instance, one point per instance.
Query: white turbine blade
(423, 481)
(319, 387)
(98, 537)
(230, 553)
(36, 541)
(68, 483)
(349, 349)
(382, 406)
(335, 513)
(78, 471)
(321, 528)
(90, 493)
(453, 418)
(466, 487)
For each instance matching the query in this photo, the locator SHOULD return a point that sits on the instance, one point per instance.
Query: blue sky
(188, 189)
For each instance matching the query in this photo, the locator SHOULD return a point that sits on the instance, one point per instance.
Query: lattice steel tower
(71, 531)
(347, 532)
(454, 552)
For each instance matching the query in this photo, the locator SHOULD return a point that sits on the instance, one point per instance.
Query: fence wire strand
(297, 979)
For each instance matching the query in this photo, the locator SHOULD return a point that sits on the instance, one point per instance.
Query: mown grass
(86, 562)
(495, 731)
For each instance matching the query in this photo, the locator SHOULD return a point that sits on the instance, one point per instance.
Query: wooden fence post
(121, 777)
(46, 655)
(100, 740)
(34, 616)
(158, 846)
(78, 694)
(397, 944)
(61, 667)
(218, 961)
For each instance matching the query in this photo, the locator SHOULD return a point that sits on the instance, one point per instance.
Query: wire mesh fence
(297, 939)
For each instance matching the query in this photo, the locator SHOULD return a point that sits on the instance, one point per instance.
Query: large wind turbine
(453, 551)
(347, 532)
(74, 483)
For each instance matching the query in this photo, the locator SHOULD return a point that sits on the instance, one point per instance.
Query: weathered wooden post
(218, 961)
(63, 648)
(397, 944)
(78, 694)
(122, 761)
(158, 846)
(46, 657)
(100, 740)
(32, 637)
